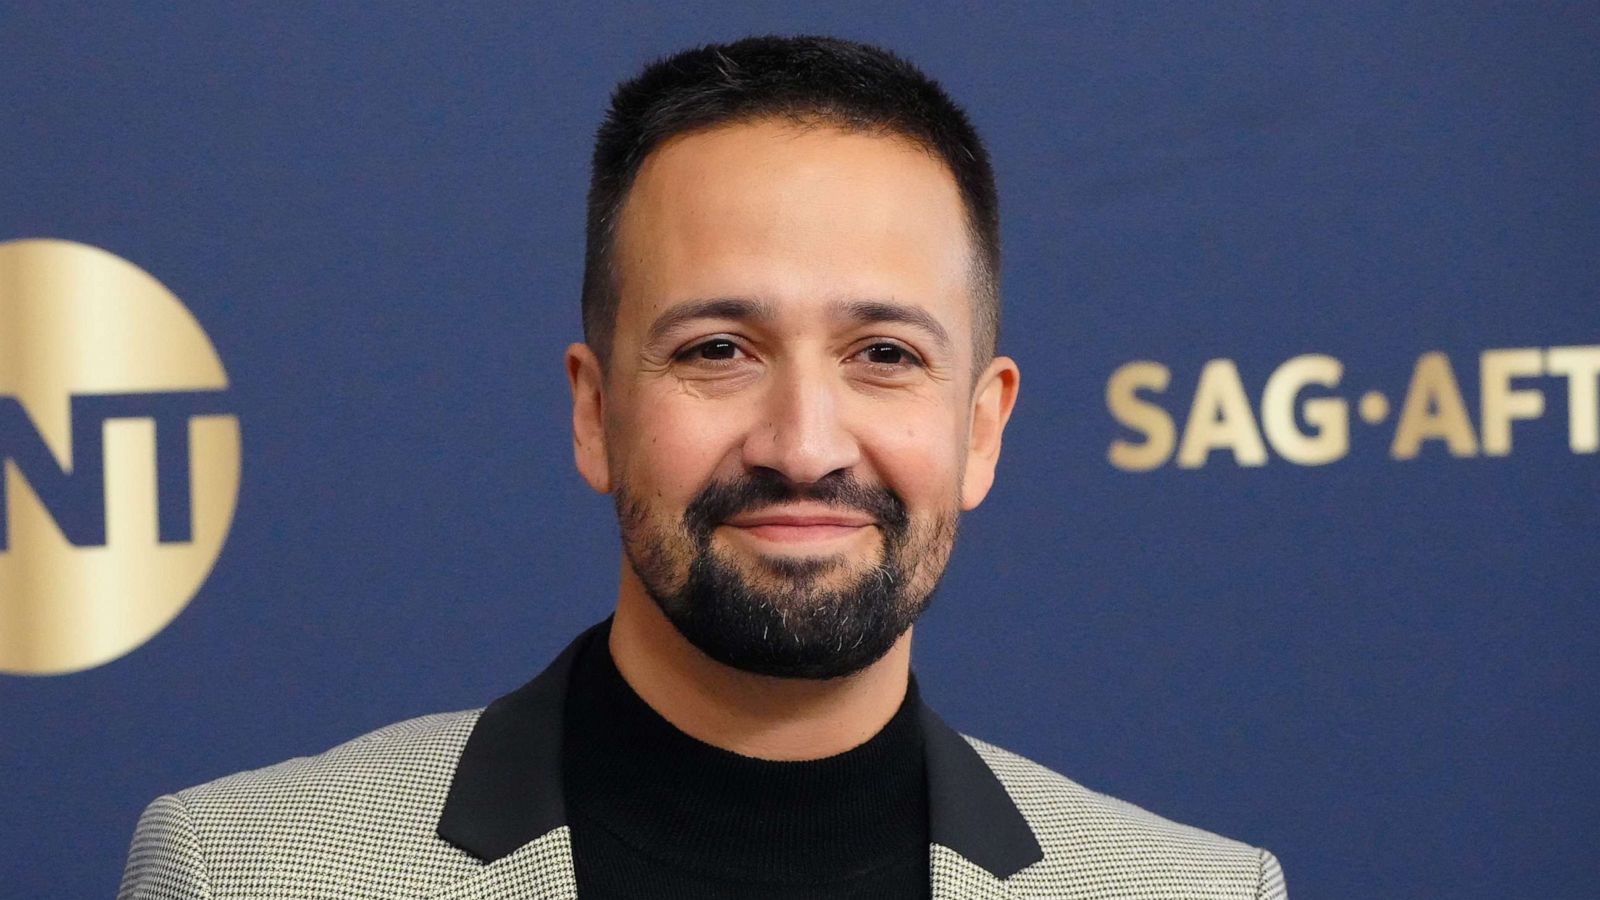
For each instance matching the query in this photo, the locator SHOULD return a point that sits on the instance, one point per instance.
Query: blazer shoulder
(413, 752)
(1087, 835)
(355, 820)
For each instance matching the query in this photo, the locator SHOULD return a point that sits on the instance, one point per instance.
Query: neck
(752, 715)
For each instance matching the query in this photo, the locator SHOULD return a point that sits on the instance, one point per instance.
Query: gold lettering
(1501, 403)
(1141, 416)
(1220, 418)
(1581, 365)
(1329, 416)
(1433, 410)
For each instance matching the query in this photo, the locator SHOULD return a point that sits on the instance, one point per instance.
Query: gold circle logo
(119, 458)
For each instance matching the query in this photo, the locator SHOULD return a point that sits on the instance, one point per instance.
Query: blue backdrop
(1381, 669)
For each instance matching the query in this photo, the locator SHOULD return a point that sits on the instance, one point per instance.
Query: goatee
(798, 627)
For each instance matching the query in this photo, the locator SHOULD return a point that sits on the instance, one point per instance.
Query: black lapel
(969, 810)
(507, 787)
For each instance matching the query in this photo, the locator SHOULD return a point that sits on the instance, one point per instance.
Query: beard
(795, 617)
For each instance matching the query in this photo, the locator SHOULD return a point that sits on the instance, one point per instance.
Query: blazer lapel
(505, 806)
(539, 870)
(955, 877)
(979, 837)
(506, 790)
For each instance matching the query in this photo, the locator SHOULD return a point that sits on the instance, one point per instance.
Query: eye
(715, 350)
(890, 355)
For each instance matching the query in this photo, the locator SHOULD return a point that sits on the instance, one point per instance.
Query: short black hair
(806, 79)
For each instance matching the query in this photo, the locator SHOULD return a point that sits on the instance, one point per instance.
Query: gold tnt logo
(119, 464)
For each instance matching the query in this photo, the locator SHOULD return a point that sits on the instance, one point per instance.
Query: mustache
(760, 488)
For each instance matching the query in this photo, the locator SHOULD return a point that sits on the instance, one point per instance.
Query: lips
(801, 520)
(795, 526)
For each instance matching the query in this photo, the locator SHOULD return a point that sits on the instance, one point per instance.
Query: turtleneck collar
(721, 814)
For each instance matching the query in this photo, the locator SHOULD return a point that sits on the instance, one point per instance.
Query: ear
(588, 417)
(992, 400)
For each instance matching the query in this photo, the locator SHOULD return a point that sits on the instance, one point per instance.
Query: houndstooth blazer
(468, 806)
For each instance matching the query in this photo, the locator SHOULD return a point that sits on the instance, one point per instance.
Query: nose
(801, 433)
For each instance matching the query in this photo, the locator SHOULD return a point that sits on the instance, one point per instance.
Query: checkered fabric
(358, 822)
(1100, 848)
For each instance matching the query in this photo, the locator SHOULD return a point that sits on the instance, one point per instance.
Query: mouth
(800, 526)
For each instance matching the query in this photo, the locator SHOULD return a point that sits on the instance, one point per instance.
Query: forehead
(798, 216)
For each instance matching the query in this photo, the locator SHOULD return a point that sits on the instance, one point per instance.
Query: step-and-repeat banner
(1296, 534)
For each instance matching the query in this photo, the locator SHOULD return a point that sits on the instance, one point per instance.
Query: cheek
(920, 457)
(674, 448)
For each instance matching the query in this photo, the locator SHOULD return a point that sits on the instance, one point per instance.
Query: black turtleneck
(656, 813)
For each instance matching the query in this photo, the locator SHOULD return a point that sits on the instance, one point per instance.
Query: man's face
(790, 422)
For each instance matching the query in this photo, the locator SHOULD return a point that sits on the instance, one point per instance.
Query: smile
(787, 533)
(802, 524)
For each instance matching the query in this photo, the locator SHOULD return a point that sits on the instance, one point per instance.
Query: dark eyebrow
(880, 311)
(737, 308)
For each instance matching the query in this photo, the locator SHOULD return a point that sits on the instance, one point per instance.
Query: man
(789, 386)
